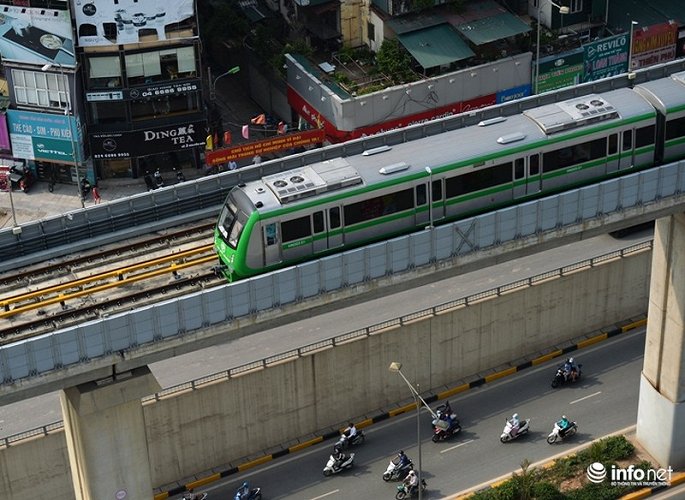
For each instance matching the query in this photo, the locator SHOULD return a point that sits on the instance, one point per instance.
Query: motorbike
(441, 411)
(557, 433)
(21, 178)
(403, 490)
(506, 433)
(179, 176)
(396, 473)
(560, 376)
(333, 468)
(148, 181)
(254, 494)
(345, 442)
(195, 496)
(443, 430)
(159, 180)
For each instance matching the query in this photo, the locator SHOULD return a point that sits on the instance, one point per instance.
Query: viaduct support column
(661, 410)
(105, 433)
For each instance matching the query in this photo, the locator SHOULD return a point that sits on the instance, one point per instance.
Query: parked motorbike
(345, 442)
(179, 175)
(396, 473)
(558, 434)
(159, 180)
(332, 466)
(403, 490)
(506, 433)
(148, 181)
(443, 430)
(21, 178)
(560, 376)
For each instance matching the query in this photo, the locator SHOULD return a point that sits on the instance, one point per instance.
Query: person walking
(96, 195)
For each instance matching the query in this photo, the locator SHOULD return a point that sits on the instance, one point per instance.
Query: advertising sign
(42, 136)
(147, 142)
(513, 93)
(278, 143)
(4, 134)
(126, 21)
(166, 88)
(654, 45)
(607, 57)
(561, 70)
(36, 36)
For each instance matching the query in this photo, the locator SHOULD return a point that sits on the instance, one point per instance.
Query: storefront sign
(116, 95)
(36, 36)
(126, 21)
(655, 44)
(605, 58)
(147, 142)
(278, 143)
(42, 136)
(166, 88)
(559, 71)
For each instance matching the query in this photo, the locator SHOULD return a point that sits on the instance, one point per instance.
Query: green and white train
(337, 204)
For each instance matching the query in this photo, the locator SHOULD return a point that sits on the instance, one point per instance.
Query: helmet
(570, 360)
(515, 415)
(564, 417)
(411, 473)
(401, 452)
(337, 448)
(246, 485)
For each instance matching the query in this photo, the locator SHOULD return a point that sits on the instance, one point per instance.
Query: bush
(547, 491)
(600, 491)
(609, 449)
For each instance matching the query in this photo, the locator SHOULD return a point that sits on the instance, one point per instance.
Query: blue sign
(43, 136)
(606, 57)
(513, 93)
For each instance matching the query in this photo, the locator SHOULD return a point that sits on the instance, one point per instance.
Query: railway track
(63, 292)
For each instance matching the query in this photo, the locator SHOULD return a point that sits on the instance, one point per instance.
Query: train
(345, 202)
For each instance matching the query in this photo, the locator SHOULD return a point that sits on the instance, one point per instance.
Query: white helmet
(564, 417)
(570, 360)
(515, 415)
(411, 473)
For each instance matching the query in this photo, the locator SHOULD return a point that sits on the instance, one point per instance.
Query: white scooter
(506, 433)
(557, 433)
(332, 467)
(396, 473)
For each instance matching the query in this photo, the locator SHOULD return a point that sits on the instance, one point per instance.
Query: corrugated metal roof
(493, 28)
(436, 46)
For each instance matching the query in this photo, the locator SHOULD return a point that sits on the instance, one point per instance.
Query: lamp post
(430, 196)
(212, 83)
(630, 50)
(562, 10)
(67, 112)
(396, 367)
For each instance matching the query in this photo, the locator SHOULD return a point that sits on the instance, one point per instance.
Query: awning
(435, 46)
(490, 29)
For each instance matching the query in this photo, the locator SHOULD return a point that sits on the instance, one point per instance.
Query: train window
(627, 140)
(437, 190)
(675, 128)
(480, 179)
(227, 217)
(519, 169)
(334, 218)
(420, 195)
(644, 136)
(295, 229)
(574, 155)
(270, 234)
(534, 165)
(613, 144)
(379, 206)
(317, 219)
(238, 224)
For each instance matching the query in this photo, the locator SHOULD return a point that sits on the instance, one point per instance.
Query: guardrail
(355, 334)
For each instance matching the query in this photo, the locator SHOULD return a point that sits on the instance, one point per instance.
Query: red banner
(279, 143)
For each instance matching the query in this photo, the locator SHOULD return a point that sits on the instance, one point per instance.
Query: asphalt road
(604, 401)
(35, 412)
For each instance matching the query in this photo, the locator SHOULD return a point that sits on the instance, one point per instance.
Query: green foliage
(608, 449)
(394, 61)
(565, 468)
(221, 22)
(598, 491)
(547, 491)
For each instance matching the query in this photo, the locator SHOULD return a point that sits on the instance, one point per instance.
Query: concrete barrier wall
(222, 422)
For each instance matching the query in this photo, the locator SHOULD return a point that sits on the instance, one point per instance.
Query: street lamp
(212, 84)
(67, 113)
(631, 75)
(562, 10)
(397, 368)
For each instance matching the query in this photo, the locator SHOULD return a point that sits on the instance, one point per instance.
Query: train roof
(489, 139)
(666, 94)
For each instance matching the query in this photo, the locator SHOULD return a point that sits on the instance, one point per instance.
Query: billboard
(101, 22)
(279, 143)
(562, 70)
(36, 36)
(43, 136)
(607, 57)
(654, 45)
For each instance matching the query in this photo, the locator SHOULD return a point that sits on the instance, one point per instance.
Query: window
(296, 229)
(371, 30)
(437, 190)
(576, 6)
(334, 218)
(534, 165)
(104, 72)
(379, 206)
(153, 107)
(37, 88)
(613, 144)
(627, 140)
(644, 136)
(675, 128)
(169, 64)
(519, 169)
(317, 219)
(420, 195)
(478, 180)
(574, 155)
(108, 112)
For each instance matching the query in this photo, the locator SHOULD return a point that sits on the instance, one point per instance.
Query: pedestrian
(232, 165)
(96, 195)
(257, 159)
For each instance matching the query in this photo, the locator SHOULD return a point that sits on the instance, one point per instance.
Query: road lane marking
(326, 494)
(457, 446)
(586, 397)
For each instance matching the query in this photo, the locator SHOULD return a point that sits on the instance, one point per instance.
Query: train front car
(231, 233)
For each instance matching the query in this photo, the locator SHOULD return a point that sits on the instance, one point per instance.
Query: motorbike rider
(411, 482)
(191, 496)
(339, 456)
(570, 370)
(350, 431)
(243, 491)
(403, 460)
(563, 424)
(515, 423)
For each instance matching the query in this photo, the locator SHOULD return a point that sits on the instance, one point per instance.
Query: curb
(610, 332)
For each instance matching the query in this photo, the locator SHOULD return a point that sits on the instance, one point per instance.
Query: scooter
(506, 433)
(403, 490)
(443, 430)
(560, 376)
(255, 494)
(159, 180)
(148, 181)
(557, 433)
(333, 468)
(195, 496)
(440, 411)
(179, 175)
(345, 442)
(396, 473)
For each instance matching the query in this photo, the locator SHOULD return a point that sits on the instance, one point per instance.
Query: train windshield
(231, 222)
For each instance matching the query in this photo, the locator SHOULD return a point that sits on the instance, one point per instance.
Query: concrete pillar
(105, 433)
(661, 409)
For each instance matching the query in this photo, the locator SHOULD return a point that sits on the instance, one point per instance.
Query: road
(604, 401)
(36, 412)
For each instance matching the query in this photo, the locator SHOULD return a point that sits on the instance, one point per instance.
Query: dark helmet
(401, 452)
(337, 448)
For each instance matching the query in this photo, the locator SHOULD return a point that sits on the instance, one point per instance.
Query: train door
(534, 181)
(627, 151)
(422, 209)
(613, 157)
(319, 236)
(272, 244)
(520, 182)
(437, 201)
(335, 233)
